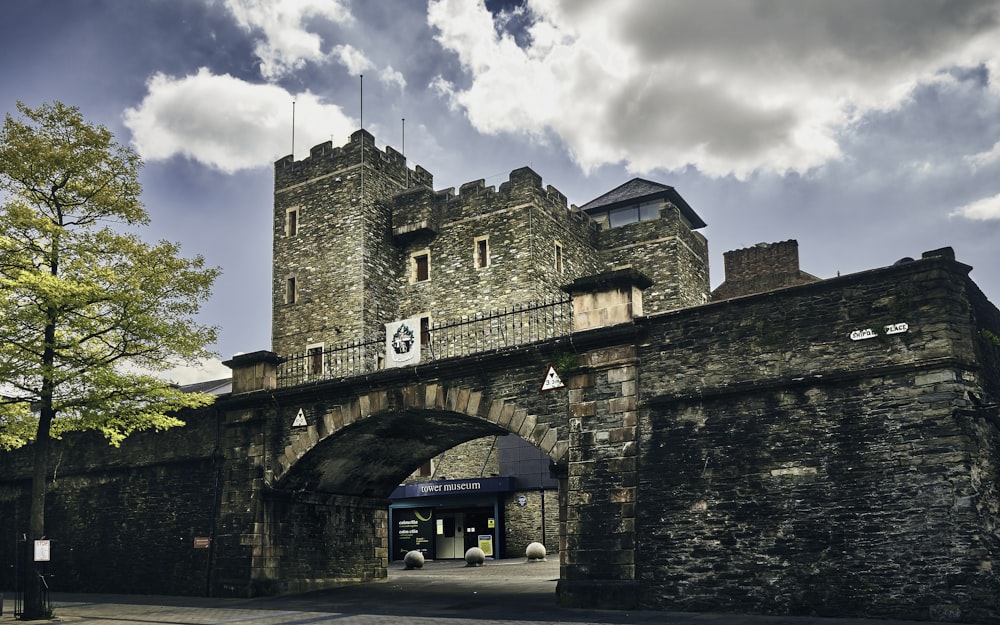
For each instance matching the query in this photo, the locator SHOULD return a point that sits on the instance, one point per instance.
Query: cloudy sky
(867, 130)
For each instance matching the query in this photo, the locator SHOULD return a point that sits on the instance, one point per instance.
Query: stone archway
(320, 518)
(394, 410)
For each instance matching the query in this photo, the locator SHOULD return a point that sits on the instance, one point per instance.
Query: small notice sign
(551, 381)
(202, 542)
(486, 544)
(43, 550)
(300, 420)
(868, 333)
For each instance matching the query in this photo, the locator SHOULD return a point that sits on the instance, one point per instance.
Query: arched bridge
(780, 453)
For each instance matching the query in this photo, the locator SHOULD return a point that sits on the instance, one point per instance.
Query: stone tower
(333, 258)
(361, 240)
(649, 227)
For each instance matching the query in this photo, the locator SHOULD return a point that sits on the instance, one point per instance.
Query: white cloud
(287, 44)
(983, 159)
(732, 88)
(227, 123)
(986, 209)
(391, 77)
(353, 59)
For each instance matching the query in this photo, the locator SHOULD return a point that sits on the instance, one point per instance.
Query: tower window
(426, 469)
(481, 253)
(292, 222)
(558, 261)
(425, 331)
(291, 290)
(315, 359)
(420, 266)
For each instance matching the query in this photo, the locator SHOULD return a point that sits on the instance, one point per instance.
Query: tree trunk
(34, 607)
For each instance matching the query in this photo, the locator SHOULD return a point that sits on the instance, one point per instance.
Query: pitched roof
(637, 190)
(213, 387)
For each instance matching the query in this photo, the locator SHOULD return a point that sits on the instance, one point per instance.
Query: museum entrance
(457, 531)
(444, 526)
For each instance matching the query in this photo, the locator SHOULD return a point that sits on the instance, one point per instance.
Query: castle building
(493, 367)
(361, 241)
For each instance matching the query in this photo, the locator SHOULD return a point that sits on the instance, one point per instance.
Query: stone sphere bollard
(413, 560)
(535, 552)
(474, 556)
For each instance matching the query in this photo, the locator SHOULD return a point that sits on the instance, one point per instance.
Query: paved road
(506, 592)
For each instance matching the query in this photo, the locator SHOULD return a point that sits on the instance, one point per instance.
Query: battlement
(523, 185)
(326, 159)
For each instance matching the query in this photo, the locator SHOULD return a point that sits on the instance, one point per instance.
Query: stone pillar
(597, 559)
(607, 299)
(254, 371)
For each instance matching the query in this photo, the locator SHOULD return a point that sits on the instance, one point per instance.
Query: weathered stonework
(827, 448)
(763, 267)
(816, 474)
(349, 262)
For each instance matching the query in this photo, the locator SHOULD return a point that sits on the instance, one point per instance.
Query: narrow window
(421, 267)
(425, 331)
(291, 291)
(426, 469)
(315, 359)
(482, 252)
(292, 222)
(559, 258)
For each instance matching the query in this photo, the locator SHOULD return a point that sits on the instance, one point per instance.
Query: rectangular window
(482, 252)
(425, 331)
(426, 469)
(291, 291)
(315, 359)
(292, 222)
(624, 216)
(558, 258)
(421, 267)
(649, 211)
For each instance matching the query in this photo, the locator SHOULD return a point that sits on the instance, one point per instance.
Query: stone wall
(522, 222)
(536, 521)
(121, 519)
(789, 469)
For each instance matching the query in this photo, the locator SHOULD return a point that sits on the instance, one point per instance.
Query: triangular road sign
(300, 420)
(551, 381)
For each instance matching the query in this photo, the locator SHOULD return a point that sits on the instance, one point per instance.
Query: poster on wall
(413, 531)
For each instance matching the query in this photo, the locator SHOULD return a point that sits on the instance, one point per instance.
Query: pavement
(504, 592)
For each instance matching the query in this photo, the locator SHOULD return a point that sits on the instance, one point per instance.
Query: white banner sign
(402, 343)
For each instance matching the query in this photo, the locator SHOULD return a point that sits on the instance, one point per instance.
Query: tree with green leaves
(88, 311)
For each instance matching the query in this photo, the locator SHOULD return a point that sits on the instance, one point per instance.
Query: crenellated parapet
(416, 209)
(327, 160)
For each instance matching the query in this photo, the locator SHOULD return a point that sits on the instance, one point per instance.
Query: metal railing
(513, 326)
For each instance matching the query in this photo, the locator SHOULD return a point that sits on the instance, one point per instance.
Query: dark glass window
(422, 267)
(316, 360)
(482, 253)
